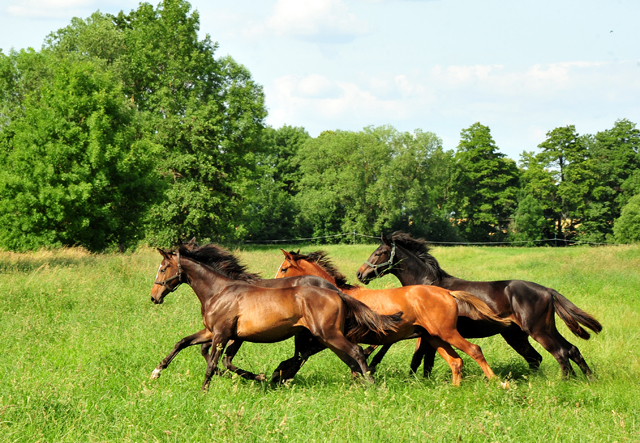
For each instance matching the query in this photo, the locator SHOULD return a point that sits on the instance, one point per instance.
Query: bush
(627, 227)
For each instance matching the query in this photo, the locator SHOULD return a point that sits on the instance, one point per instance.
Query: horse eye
(283, 270)
(162, 271)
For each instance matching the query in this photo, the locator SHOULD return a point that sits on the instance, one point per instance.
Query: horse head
(168, 277)
(379, 262)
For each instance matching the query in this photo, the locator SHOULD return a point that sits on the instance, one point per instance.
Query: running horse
(530, 306)
(235, 309)
(428, 311)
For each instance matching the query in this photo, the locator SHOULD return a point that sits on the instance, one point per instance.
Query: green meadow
(80, 337)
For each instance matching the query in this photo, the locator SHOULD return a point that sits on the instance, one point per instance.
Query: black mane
(218, 259)
(320, 258)
(420, 248)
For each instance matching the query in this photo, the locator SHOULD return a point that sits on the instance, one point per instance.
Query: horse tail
(573, 316)
(361, 320)
(471, 306)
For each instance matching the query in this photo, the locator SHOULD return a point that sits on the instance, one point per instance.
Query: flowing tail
(471, 306)
(573, 316)
(361, 320)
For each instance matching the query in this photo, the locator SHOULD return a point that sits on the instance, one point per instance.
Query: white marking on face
(158, 273)
(278, 271)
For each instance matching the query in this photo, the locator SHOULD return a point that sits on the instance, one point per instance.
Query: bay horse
(530, 306)
(428, 311)
(233, 308)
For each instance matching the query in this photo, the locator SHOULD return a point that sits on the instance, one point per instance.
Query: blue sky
(521, 68)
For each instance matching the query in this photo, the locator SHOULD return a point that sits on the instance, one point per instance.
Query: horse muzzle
(157, 294)
(363, 278)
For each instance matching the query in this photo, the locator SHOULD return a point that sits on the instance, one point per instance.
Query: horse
(530, 306)
(234, 309)
(428, 311)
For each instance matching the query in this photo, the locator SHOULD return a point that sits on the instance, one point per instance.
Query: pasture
(80, 338)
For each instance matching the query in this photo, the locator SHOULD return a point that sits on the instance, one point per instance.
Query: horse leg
(218, 343)
(204, 351)
(195, 339)
(576, 356)
(519, 341)
(351, 354)
(306, 345)
(377, 358)
(450, 356)
(472, 350)
(232, 349)
(369, 350)
(425, 351)
(561, 350)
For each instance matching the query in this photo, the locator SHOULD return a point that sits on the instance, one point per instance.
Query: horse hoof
(156, 374)
(261, 377)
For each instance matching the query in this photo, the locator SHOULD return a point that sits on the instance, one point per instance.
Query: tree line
(127, 129)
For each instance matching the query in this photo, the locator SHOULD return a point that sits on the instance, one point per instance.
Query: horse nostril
(358, 275)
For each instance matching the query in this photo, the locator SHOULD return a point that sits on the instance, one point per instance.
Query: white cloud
(520, 106)
(328, 21)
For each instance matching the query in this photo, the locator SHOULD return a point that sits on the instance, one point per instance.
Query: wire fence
(552, 241)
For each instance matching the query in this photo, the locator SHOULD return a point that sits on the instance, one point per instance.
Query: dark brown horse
(530, 306)
(233, 308)
(428, 311)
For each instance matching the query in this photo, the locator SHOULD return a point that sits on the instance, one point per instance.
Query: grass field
(80, 337)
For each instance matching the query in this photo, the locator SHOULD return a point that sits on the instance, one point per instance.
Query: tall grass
(80, 338)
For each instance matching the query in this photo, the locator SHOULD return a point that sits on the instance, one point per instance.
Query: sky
(522, 68)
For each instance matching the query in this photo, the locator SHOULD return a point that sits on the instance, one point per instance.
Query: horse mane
(420, 248)
(320, 258)
(219, 260)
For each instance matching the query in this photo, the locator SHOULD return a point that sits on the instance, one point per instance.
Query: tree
(373, 181)
(338, 188)
(272, 212)
(206, 113)
(414, 184)
(483, 186)
(76, 166)
(529, 222)
(615, 162)
(627, 226)
(560, 177)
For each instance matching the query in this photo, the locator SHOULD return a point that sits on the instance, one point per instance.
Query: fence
(554, 241)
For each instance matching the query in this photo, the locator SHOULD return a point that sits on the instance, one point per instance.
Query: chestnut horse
(530, 306)
(428, 311)
(235, 309)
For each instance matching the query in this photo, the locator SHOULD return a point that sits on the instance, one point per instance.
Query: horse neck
(205, 282)
(412, 271)
(314, 269)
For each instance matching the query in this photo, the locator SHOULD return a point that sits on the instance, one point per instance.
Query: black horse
(530, 306)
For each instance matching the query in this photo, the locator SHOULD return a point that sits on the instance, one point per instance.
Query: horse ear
(287, 256)
(191, 243)
(384, 239)
(163, 253)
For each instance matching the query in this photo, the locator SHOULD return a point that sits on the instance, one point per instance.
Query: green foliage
(564, 156)
(615, 161)
(77, 168)
(529, 222)
(484, 185)
(206, 114)
(272, 210)
(372, 181)
(627, 227)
